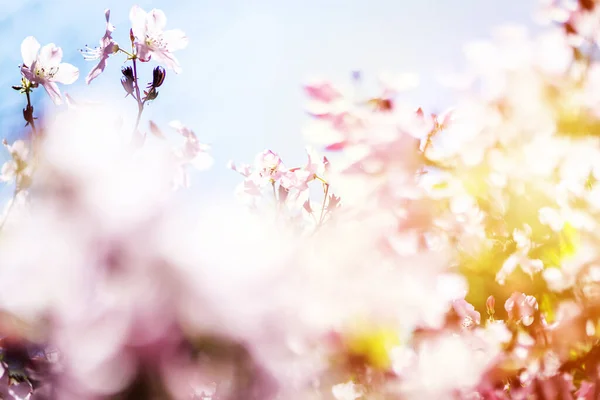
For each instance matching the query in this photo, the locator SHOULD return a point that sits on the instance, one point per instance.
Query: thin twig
(137, 93)
(32, 122)
(326, 185)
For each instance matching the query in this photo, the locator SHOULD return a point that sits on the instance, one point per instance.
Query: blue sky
(240, 89)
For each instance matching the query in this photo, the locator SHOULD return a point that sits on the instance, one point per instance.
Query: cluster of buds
(129, 82)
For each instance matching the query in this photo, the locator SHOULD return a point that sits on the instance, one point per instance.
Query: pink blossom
(42, 66)
(151, 40)
(269, 165)
(193, 152)
(466, 312)
(107, 47)
(521, 308)
(322, 91)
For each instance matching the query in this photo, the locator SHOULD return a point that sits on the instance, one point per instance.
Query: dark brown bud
(151, 94)
(28, 115)
(128, 80)
(158, 77)
(127, 73)
(17, 87)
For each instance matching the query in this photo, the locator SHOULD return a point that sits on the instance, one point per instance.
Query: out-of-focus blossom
(152, 41)
(445, 365)
(466, 312)
(107, 47)
(347, 391)
(521, 308)
(193, 153)
(521, 257)
(42, 66)
(20, 168)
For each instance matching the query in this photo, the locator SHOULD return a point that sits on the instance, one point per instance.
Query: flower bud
(28, 115)
(128, 80)
(490, 304)
(151, 94)
(128, 73)
(158, 77)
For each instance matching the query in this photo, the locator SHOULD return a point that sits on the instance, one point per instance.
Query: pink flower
(521, 308)
(322, 92)
(107, 47)
(466, 312)
(151, 40)
(193, 153)
(296, 178)
(244, 169)
(269, 165)
(42, 66)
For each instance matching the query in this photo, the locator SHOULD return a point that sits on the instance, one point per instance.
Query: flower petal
(27, 73)
(137, 16)
(50, 56)
(143, 52)
(156, 20)
(53, 92)
(109, 27)
(97, 70)
(29, 50)
(66, 74)
(168, 59)
(175, 39)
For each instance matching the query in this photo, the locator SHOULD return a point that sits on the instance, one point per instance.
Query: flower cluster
(414, 255)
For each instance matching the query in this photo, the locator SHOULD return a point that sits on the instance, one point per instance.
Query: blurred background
(240, 89)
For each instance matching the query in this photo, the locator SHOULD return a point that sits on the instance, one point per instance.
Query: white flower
(43, 66)
(151, 40)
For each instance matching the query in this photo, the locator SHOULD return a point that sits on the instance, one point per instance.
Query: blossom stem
(137, 94)
(127, 53)
(322, 215)
(32, 120)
